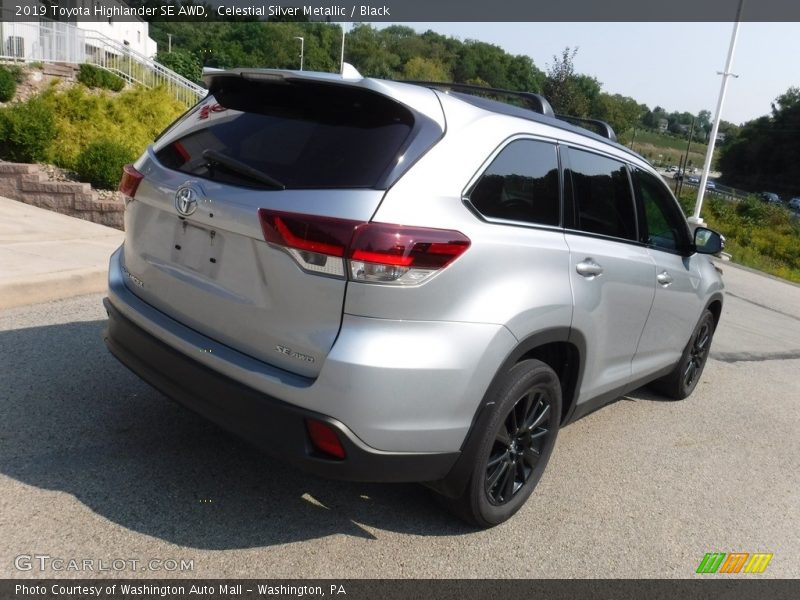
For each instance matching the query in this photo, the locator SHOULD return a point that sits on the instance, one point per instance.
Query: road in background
(94, 464)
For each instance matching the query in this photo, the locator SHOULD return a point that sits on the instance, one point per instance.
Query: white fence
(53, 42)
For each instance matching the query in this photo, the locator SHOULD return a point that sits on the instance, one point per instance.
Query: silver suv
(387, 281)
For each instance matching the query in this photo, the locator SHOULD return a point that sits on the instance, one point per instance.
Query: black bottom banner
(357, 589)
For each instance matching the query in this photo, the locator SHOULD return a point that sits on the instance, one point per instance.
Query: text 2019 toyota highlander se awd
(388, 281)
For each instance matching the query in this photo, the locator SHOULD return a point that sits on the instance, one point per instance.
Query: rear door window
(602, 195)
(298, 135)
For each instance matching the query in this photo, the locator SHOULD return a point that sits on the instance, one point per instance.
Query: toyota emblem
(185, 201)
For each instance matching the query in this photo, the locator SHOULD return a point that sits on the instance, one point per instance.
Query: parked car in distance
(710, 185)
(694, 180)
(386, 281)
(794, 203)
(770, 197)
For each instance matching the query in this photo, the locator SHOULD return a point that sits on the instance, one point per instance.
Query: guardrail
(54, 42)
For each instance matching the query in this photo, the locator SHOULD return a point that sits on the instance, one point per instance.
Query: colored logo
(735, 562)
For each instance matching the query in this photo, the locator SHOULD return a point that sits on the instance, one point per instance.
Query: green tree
(765, 155)
(183, 62)
(568, 93)
(621, 112)
(425, 69)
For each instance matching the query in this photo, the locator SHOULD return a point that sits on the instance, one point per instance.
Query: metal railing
(54, 42)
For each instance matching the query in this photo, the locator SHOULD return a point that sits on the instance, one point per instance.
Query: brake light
(317, 243)
(324, 438)
(384, 253)
(366, 252)
(131, 178)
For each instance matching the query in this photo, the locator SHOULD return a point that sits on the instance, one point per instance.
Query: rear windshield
(289, 135)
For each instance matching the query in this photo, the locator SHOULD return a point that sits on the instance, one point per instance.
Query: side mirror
(707, 241)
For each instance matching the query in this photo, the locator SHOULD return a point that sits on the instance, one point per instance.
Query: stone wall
(31, 185)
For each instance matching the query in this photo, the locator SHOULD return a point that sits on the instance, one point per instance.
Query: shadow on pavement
(73, 419)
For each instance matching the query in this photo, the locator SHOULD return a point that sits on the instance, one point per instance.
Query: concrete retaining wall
(29, 184)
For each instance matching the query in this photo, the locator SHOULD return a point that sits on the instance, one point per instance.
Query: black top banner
(405, 10)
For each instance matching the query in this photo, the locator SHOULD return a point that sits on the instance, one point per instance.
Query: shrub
(95, 77)
(100, 163)
(8, 85)
(17, 71)
(134, 117)
(26, 131)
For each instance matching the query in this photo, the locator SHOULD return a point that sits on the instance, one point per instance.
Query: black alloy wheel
(698, 354)
(517, 447)
(511, 452)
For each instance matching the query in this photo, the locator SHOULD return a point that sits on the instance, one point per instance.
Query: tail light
(318, 244)
(131, 178)
(367, 252)
(384, 253)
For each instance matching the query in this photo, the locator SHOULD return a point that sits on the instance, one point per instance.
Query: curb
(53, 286)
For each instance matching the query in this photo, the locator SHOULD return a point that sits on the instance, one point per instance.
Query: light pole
(695, 219)
(341, 57)
(302, 47)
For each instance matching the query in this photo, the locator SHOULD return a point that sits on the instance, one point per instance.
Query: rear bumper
(271, 424)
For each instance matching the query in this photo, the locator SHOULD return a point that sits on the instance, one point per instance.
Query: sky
(672, 65)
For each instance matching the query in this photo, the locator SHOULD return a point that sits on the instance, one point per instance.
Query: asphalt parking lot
(95, 465)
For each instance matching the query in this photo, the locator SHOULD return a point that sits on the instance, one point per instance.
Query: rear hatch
(268, 153)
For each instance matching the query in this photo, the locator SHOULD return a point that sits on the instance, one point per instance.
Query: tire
(680, 383)
(515, 446)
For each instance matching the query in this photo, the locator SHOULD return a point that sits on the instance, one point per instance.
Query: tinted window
(602, 194)
(302, 135)
(521, 184)
(665, 226)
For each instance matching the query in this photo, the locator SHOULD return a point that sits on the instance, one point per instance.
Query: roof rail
(596, 125)
(536, 102)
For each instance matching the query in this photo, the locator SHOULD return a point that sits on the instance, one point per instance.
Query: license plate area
(197, 248)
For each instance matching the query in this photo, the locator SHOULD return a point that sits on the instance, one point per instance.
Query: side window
(521, 184)
(602, 193)
(665, 225)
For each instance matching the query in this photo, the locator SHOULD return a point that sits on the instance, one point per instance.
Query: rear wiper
(214, 157)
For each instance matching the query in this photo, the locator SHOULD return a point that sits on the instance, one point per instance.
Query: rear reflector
(368, 252)
(131, 178)
(324, 438)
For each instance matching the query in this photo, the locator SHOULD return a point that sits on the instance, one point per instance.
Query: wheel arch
(715, 306)
(563, 350)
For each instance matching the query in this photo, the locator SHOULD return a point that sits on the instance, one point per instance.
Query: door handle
(588, 268)
(664, 278)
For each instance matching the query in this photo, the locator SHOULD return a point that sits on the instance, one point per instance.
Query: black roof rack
(596, 125)
(535, 102)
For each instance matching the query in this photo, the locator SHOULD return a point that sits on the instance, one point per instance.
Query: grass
(665, 149)
(758, 235)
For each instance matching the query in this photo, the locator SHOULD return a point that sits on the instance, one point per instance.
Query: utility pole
(686, 158)
(169, 43)
(302, 50)
(695, 219)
